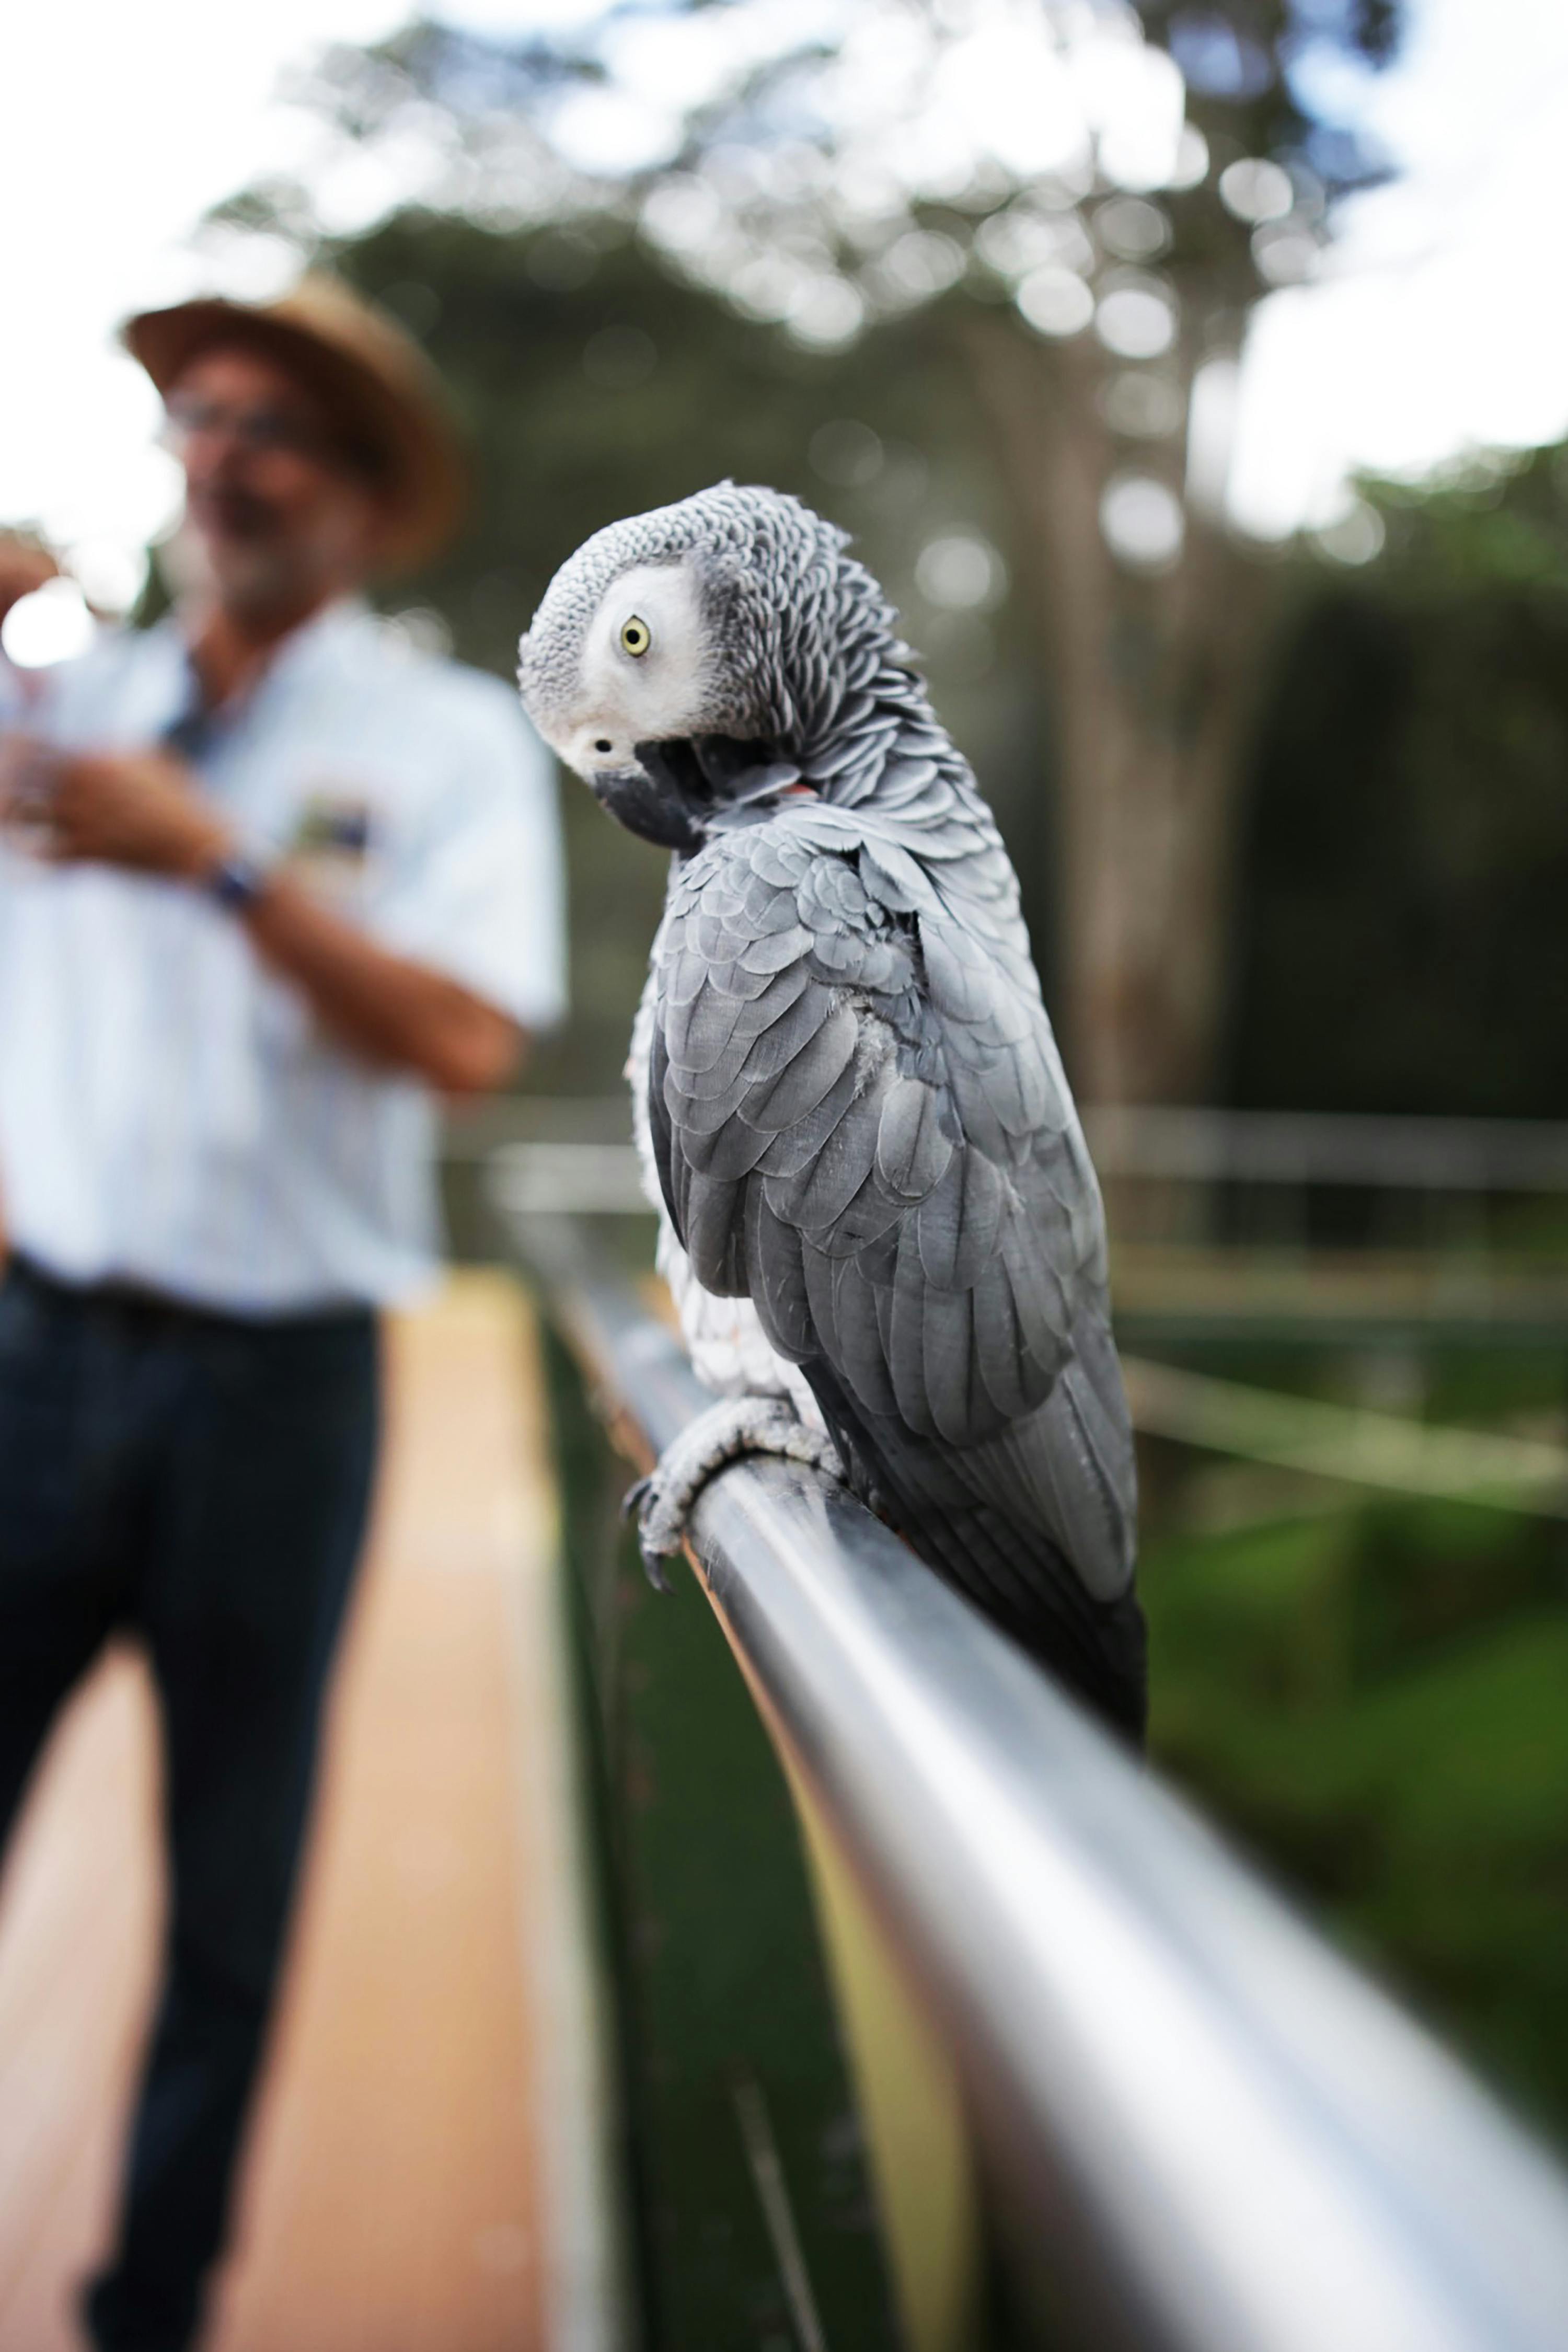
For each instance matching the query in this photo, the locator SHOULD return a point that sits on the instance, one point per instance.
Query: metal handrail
(562, 1143)
(1211, 2132)
(1451, 1155)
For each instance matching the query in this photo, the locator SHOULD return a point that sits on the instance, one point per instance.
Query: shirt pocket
(336, 845)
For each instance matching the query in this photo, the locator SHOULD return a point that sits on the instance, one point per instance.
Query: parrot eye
(636, 637)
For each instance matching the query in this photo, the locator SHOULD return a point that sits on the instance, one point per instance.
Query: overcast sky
(1440, 324)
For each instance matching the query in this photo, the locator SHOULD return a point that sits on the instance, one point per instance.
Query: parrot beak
(648, 805)
(677, 788)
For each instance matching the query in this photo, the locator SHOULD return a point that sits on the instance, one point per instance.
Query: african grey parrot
(846, 1086)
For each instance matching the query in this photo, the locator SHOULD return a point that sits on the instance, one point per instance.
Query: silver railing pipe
(1260, 1147)
(563, 1143)
(1211, 2133)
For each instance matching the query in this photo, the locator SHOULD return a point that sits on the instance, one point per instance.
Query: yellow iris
(635, 635)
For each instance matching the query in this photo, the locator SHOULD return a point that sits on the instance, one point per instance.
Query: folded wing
(860, 1123)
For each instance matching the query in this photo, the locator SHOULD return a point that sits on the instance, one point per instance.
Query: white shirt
(13, 693)
(171, 1113)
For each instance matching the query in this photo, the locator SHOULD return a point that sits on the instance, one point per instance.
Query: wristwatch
(237, 881)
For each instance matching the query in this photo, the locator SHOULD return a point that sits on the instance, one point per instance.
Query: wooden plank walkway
(393, 2200)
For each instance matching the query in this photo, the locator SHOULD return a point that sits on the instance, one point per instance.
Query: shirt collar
(344, 616)
(318, 646)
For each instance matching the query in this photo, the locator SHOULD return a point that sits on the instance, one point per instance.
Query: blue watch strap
(238, 881)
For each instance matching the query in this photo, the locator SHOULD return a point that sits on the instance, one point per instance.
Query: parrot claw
(662, 1502)
(632, 1505)
(653, 1569)
(633, 1499)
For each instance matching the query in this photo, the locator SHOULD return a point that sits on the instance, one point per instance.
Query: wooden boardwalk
(392, 2197)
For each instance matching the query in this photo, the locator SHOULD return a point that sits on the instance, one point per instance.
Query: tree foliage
(1403, 946)
(1399, 837)
(1402, 839)
(1074, 228)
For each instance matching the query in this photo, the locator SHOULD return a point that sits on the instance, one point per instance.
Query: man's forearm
(380, 1004)
(141, 811)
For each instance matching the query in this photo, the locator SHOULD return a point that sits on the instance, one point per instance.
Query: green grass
(1375, 1701)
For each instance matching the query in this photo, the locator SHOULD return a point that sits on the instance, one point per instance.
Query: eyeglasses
(261, 432)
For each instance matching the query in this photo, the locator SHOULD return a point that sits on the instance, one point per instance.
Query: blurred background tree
(1035, 232)
(1289, 829)
(1089, 228)
(1400, 943)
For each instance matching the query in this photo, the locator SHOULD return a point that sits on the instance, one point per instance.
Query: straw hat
(373, 377)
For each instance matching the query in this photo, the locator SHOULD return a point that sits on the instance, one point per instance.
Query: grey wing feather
(893, 1174)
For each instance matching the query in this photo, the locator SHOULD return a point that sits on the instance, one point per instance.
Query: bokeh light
(1256, 190)
(1136, 321)
(1285, 255)
(1142, 522)
(53, 624)
(1131, 228)
(1355, 537)
(1191, 166)
(919, 264)
(1020, 238)
(961, 572)
(1055, 301)
(1134, 101)
(826, 310)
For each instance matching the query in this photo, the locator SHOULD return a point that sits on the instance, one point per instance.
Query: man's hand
(135, 809)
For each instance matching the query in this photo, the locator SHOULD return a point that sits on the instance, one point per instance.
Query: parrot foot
(661, 1502)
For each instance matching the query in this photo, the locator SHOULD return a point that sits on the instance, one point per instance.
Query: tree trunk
(1154, 681)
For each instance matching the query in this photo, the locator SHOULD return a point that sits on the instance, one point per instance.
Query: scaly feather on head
(689, 656)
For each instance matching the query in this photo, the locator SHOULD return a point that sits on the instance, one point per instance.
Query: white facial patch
(642, 671)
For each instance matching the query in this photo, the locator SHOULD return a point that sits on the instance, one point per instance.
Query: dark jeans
(201, 1481)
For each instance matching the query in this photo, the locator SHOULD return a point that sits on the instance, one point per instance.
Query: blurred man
(273, 882)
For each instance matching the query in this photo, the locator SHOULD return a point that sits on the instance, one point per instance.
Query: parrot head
(681, 660)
